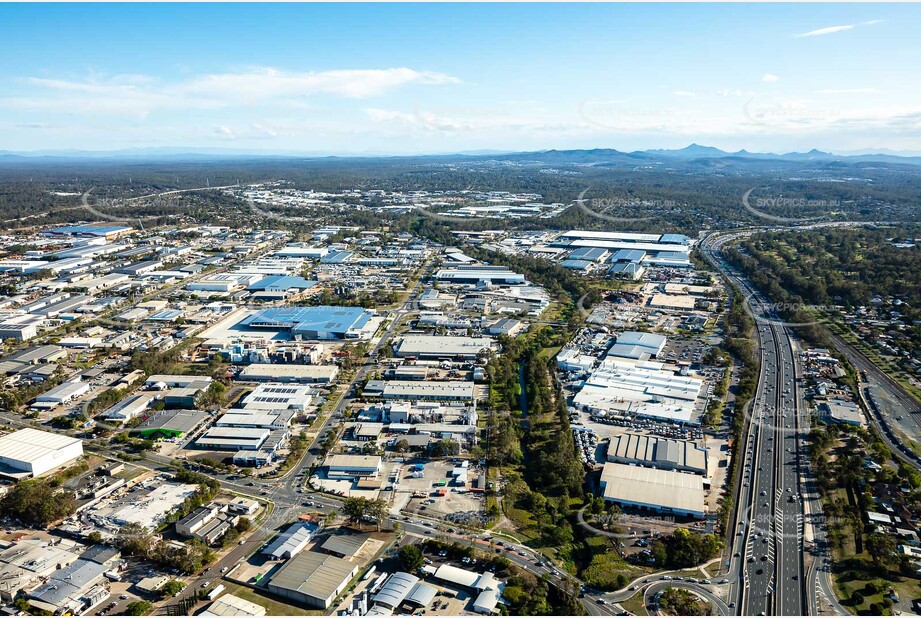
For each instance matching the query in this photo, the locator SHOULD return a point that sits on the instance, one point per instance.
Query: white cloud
(834, 29)
(824, 31)
(224, 131)
(769, 78)
(684, 93)
(264, 83)
(139, 95)
(728, 92)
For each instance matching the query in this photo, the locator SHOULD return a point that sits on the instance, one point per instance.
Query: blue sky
(429, 78)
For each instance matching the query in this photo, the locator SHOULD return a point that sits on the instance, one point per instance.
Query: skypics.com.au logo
(788, 115)
(621, 526)
(786, 419)
(783, 314)
(605, 207)
(611, 209)
(756, 207)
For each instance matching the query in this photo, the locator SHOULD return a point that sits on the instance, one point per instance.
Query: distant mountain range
(696, 152)
(603, 157)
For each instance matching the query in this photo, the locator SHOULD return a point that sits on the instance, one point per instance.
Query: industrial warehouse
(312, 578)
(660, 491)
(30, 452)
(661, 453)
(443, 347)
(621, 386)
(315, 323)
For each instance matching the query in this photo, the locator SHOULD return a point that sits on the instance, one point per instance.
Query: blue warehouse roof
(321, 318)
(88, 230)
(628, 255)
(588, 253)
(674, 239)
(576, 264)
(336, 258)
(282, 282)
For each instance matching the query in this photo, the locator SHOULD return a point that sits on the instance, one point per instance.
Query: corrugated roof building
(313, 579)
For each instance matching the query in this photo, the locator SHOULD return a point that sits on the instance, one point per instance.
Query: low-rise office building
(233, 438)
(292, 541)
(353, 466)
(207, 523)
(128, 408)
(62, 393)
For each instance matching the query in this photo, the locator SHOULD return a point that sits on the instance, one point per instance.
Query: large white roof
(666, 489)
(456, 575)
(31, 444)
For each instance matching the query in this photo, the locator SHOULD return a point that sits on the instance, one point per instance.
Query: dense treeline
(683, 549)
(846, 266)
(37, 502)
(819, 270)
(739, 343)
(551, 462)
(136, 540)
(544, 444)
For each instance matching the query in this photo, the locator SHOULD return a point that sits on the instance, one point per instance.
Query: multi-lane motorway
(769, 521)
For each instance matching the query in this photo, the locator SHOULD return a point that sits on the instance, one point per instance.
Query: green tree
(138, 608)
(354, 509)
(411, 558)
(172, 588)
(38, 502)
(244, 524)
(881, 548)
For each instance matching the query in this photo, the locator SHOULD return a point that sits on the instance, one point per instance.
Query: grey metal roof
(100, 554)
(422, 594)
(395, 589)
(628, 255)
(291, 541)
(669, 451)
(345, 544)
(174, 420)
(69, 582)
(313, 574)
(36, 354)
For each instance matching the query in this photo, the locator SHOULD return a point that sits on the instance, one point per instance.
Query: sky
(443, 78)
